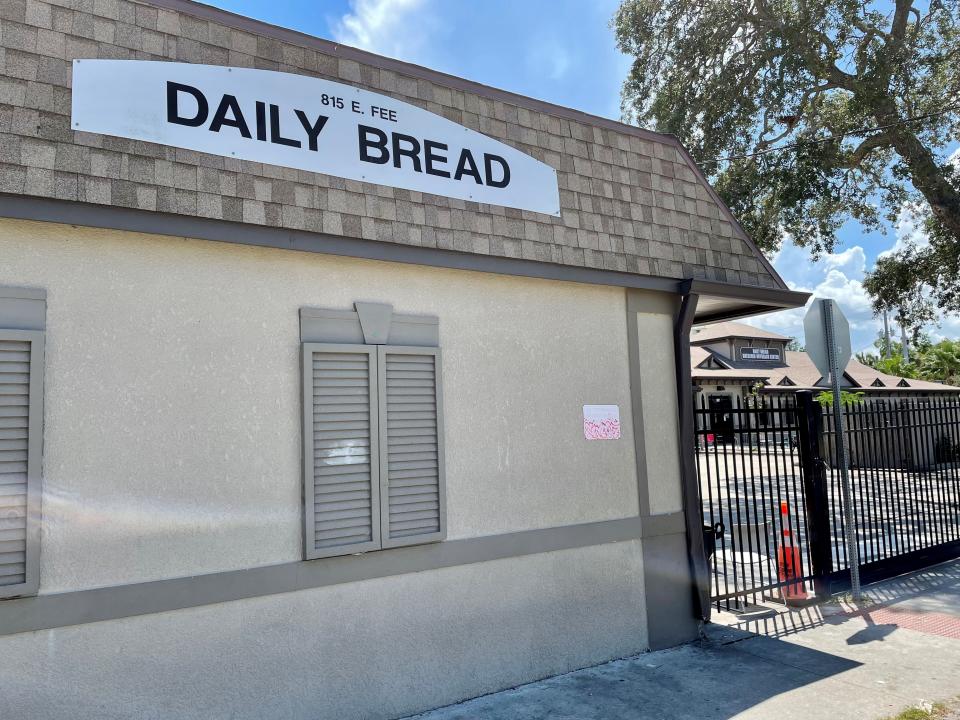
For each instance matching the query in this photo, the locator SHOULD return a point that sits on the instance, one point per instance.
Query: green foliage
(754, 398)
(846, 397)
(936, 362)
(795, 345)
(896, 365)
(918, 342)
(864, 93)
(941, 362)
(916, 280)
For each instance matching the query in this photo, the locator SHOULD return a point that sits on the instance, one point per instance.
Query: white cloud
(840, 276)
(836, 275)
(909, 229)
(847, 291)
(386, 27)
(852, 260)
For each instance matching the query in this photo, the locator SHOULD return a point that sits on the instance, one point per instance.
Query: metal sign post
(827, 337)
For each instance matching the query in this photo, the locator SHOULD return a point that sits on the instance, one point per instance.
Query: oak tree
(805, 113)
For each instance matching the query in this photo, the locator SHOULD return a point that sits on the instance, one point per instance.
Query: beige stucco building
(276, 443)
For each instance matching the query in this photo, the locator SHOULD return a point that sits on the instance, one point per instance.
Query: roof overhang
(726, 301)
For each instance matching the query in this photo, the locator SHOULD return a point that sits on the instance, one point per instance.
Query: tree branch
(872, 143)
(898, 27)
(808, 95)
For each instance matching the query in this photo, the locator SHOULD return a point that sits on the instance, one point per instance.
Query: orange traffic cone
(788, 562)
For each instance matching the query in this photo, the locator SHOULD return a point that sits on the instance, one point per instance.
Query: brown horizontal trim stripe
(110, 603)
(658, 525)
(111, 217)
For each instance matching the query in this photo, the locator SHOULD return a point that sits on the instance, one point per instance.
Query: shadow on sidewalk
(887, 606)
(715, 678)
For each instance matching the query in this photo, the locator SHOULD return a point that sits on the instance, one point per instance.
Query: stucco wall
(377, 649)
(660, 413)
(172, 420)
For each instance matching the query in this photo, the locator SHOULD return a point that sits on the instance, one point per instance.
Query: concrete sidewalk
(900, 648)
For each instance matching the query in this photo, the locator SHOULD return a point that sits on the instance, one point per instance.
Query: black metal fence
(770, 490)
(904, 478)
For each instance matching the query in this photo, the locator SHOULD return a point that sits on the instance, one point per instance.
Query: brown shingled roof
(720, 330)
(802, 374)
(864, 376)
(698, 355)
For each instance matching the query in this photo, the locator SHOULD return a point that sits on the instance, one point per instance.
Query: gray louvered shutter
(411, 446)
(342, 485)
(21, 377)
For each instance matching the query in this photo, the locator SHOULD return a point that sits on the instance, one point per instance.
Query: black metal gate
(770, 492)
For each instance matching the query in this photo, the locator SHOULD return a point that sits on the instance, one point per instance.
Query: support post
(816, 508)
(699, 570)
(850, 517)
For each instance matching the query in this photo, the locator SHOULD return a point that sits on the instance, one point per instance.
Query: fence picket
(906, 486)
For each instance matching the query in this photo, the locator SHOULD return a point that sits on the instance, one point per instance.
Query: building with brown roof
(731, 360)
(305, 354)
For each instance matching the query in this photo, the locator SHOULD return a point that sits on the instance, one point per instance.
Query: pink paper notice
(601, 422)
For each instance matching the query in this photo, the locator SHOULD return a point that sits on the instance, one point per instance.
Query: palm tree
(942, 362)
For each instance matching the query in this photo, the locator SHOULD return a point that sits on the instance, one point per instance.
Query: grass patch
(925, 712)
(847, 599)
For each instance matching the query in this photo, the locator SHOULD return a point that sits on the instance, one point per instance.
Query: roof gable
(632, 201)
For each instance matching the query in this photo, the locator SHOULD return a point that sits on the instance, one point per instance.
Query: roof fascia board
(889, 392)
(735, 336)
(774, 297)
(109, 217)
(715, 356)
(738, 312)
(720, 379)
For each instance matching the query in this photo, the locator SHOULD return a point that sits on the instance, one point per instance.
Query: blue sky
(563, 51)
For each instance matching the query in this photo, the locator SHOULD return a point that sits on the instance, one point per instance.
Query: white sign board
(306, 123)
(601, 422)
(761, 354)
(814, 336)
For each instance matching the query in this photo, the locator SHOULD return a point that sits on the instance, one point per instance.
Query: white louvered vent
(344, 440)
(411, 458)
(14, 427)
